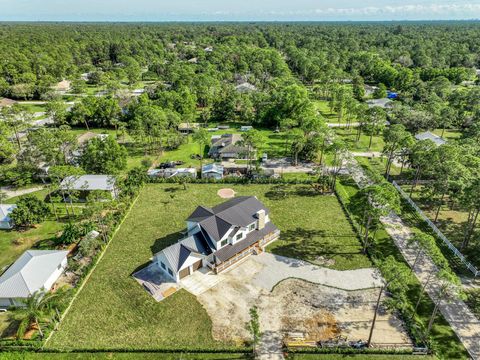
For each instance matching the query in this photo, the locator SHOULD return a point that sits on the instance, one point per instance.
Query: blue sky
(236, 10)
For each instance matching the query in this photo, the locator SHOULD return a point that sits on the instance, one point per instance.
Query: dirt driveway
(320, 312)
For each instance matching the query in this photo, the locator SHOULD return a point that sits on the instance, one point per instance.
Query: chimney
(261, 219)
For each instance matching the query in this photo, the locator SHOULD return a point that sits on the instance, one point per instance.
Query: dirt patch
(226, 193)
(317, 312)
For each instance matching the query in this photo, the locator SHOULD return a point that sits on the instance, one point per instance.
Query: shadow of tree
(162, 243)
(11, 330)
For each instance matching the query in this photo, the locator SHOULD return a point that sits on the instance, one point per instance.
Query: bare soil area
(318, 312)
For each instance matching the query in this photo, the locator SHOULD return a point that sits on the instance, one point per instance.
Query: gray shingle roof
(239, 211)
(30, 272)
(88, 182)
(178, 253)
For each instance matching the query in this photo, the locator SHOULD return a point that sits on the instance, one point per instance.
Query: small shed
(212, 171)
(427, 135)
(246, 128)
(6, 222)
(188, 128)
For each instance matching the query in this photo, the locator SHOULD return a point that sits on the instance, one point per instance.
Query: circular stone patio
(226, 193)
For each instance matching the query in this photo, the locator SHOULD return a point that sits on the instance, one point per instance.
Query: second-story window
(239, 236)
(223, 243)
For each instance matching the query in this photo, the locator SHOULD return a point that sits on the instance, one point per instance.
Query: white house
(212, 171)
(5, 221)
(35, 270)
(219, 237)
(427, 135)
(86, 183)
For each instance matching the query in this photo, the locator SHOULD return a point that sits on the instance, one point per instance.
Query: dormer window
(251, 227)
(223, 243)
(239, 236)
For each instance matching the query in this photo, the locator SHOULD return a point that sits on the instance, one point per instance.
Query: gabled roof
(89, 182)
(30, 272)
(212, 168)
(5, 211)
(239, 211)
(178, 253)
(430, 136)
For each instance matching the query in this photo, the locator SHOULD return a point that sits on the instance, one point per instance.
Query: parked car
(195, 157)
(166, 165)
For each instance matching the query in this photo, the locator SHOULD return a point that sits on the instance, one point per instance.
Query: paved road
(459, 316)
(12, 192)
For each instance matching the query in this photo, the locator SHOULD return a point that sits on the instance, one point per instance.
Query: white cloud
(414, 9)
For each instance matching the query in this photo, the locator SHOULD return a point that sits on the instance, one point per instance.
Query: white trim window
(223, 243)
(252, 226)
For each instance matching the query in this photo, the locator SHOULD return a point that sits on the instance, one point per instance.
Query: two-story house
(219, 237)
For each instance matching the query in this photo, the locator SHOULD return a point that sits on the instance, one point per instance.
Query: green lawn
(448, 345)
(324, 108)
(13, 243)
(473, 301)
(451, 222)
(32, 108)
(113, 311)
(358, 357)
(119, 356)
(350, 136)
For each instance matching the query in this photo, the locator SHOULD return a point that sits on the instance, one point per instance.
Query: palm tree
(39, 307)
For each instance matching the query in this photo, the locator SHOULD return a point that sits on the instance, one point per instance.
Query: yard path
(282, 268)
(12, 192)
(461, 319)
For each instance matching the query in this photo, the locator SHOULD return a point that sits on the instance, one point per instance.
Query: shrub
(29, 211)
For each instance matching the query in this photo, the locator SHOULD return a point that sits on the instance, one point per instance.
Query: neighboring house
(86, 183)
(212, 171)
(82, 142)
(4, 102)
(431, 136)
(245, 87)
(5, 210)
(35, 270)
(188, 128)
(369, 90)
(384, 103)
(62, 86)
(173, 172)
(246, 128)
(83, 139)
(219, 237)
(227, 146)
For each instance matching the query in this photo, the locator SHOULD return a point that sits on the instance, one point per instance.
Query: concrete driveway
(277, 268)
(201, 281)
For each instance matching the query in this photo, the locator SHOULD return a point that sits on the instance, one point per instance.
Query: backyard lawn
(13, 243)
(113, 311)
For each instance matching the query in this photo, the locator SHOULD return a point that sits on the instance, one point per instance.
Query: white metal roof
(30, 272)
(430, 136)
(88, 182)
(5, 210)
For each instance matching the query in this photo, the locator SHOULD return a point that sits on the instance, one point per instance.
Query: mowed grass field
(114, 312)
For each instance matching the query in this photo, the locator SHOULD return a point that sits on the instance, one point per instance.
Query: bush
(29, 211)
